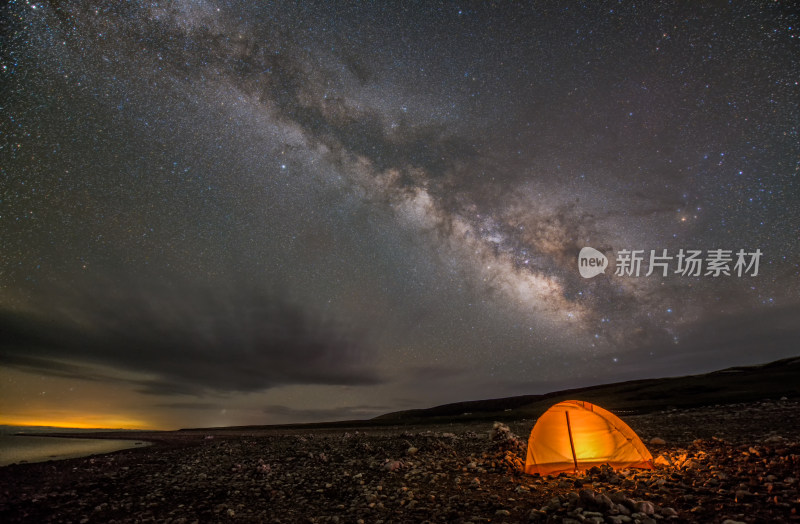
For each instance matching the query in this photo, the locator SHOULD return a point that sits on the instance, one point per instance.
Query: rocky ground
(737, 463)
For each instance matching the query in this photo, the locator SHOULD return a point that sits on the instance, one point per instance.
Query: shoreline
(23, 448)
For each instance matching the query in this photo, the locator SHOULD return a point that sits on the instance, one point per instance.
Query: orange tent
(574, 435)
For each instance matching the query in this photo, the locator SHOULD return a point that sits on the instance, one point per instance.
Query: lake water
(16, 449)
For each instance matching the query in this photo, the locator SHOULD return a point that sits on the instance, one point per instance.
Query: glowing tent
(574, 435)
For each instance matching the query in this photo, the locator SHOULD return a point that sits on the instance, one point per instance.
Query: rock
(412, 451)
(668, 512)
(392, 465)
(657, 441)
(604, 502)
(554, 504)
(661, 460)
(644, 506)
(587, 498)
(502, 437)
(619, 497)
(690, 464)
(502, 513)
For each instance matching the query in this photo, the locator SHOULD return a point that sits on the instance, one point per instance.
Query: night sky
(221, 213)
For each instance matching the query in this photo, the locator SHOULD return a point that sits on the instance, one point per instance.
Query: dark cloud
(192, 406)
(194, 342)
(45, 366)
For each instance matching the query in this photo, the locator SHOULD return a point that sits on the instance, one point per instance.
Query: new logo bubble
(591, 262)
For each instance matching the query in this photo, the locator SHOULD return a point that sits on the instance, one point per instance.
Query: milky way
(228, 213)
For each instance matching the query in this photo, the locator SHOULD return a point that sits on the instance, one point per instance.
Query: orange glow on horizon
(80, 422)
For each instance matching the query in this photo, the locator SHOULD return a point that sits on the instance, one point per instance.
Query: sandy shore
(736, 463)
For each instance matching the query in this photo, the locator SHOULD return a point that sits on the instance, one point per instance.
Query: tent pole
(571, 444)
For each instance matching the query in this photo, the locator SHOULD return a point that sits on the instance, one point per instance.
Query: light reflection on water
(16, 449)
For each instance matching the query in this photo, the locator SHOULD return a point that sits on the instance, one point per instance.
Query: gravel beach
(725, 464)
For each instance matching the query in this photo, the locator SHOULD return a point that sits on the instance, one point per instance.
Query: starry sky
(220, 213)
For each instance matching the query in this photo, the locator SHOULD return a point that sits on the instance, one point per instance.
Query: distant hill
(728, 386)
(737, 384)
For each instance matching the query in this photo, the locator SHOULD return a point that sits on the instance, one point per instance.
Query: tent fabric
(573, 435)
